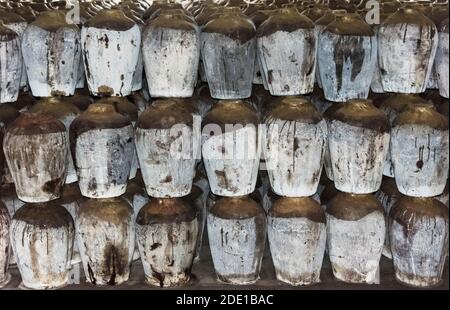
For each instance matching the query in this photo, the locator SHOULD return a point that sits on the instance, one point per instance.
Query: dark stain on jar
(53, 186)
(116, 261)
(155, 245)
(158, 275)
(167, 179)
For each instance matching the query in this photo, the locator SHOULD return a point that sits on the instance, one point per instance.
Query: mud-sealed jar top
(99, 116)
(56, 107)
(121, 105)
(297, 207)
(407, 211)
(424, 115)
(172, 20)
(408, 15)
(52, 21)
(236, 208)
(389, 187)
(349, 24)
(113, 210)
(69, 193)
(399, 102)
(287, 20)
(166, 210)
(44, 215)
(208, 13)
(231, 112)
(361, 113)
(159, 5)
(111, 19)
(233, 24)
(35, 124)
(10, 17)
(353, 207)
(164, 114)
(260, 16)
(297, 109)
(6, 34)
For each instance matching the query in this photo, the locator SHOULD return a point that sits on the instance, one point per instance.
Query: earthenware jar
(111, 43)
(237, 234)
(407, 42)
(42, 237)
(36, 149)
(286, 47)
(231, 155)
(126, 108)
(347, 52)
(392, 106)
(105, 235)
(102, 146)
(51, 52)
(228, 47)
(358, 136)
(171, 51)
(355, 237)
(419, 150)
(295, 142)
(297, 236)
(167, 231)
(418, 229)
(167, 143)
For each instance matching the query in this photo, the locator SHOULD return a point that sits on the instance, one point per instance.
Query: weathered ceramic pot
(347, 51)
(295, 142)
(42, 237)
(258, 18)
(419, 151)
(126, 108)
(237, 234)
(407, 42)
(166, 231)
(418, 229)
(441, 62)
(9, 198)
(297, 237)
(171, 51)
(51, 52)
(105, 235)
(36, 149)
(228, 47)
(358, 136)
(392, 106)
(17, 24)
(5, 248)
(111, 43)
(286, 47)
(102, 146)
(388, 195)
(355, 237)
(197, 199)
(65, 112)
(166, 143)
(231, 155)
(11, 64)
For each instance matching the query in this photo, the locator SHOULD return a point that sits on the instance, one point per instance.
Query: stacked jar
(418, 155)
(168, 142)
(358, 139)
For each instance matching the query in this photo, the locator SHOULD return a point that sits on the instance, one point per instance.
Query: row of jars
(287, 48)
(295, 143)
(351, 230)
